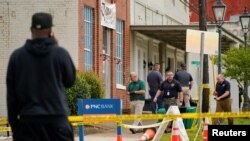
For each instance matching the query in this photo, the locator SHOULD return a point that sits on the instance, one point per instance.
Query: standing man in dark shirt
(37, 74)
(186, 81)
(222, 97)
(154, 79)
(172, 92)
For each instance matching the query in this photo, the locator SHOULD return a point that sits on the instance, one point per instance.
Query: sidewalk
(111, 136)
(108, 133)
(108, 136)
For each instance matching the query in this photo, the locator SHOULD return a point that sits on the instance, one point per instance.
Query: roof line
(231, 34)
(177, 27)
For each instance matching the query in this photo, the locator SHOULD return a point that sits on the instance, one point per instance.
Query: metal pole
(245, 104)
(201, 72)
(200, 94)
(219, 50)
(245, 39)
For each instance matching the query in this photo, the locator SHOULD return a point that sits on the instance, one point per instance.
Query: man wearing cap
(38, 72)
(186, 81)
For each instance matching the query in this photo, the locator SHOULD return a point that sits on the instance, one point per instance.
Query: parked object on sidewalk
(188, 122)
(148, 134)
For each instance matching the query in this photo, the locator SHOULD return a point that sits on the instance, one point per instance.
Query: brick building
(78, 28)
(234, 8)
(111, 50)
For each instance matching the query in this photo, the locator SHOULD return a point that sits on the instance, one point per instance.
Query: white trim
(119, 86)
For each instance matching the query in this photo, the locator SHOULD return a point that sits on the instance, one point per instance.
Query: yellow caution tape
(116, 118)
(3, 121)
(205, 86)
(97, 119)
(5, 129)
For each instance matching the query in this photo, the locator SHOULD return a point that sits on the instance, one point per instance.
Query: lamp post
(219, 9)
(245, 25)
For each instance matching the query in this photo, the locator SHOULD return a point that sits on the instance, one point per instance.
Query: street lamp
(245, 25)
(219, 9)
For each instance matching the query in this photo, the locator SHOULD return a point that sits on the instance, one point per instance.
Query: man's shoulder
(226, 82)
(60, 51)
(59, 48)
(177, 82)
(18, 51)
(140, 81)
(180, 72)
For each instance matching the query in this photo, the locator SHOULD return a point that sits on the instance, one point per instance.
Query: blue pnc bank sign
(101, 106)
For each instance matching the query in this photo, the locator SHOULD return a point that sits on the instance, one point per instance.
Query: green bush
(96, 86)
(87, 85)
(81, 89)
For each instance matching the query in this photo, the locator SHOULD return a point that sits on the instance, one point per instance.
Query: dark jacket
(37, 74)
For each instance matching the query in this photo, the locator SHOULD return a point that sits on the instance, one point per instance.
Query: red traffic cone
(205, 130)
(175, 132)
(148, 135)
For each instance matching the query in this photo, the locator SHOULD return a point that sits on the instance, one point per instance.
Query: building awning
(175, 35)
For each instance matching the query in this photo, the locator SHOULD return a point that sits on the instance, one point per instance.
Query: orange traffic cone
(148, 135)
(175, 132)
(205, 130)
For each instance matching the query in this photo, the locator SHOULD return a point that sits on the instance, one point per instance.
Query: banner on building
(193, 42)
(108, 14)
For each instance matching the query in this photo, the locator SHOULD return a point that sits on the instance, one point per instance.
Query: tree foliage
(81, 89)
(96, 85)
(236, 64)
(87, 85)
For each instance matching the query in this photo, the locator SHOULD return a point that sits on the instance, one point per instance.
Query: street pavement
(111, 136)
(106, 136)
(107, 133)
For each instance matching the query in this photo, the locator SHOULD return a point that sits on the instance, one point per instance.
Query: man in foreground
(37, 75)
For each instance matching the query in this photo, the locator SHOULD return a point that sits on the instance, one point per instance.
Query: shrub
(96, 86)
(87, 85)
(81, 89)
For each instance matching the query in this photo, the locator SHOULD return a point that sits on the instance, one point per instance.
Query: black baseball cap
(41, 20)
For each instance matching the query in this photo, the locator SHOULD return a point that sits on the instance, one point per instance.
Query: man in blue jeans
(154, 80)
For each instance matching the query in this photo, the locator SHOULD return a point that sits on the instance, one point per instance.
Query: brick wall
(15, 20)
(122, 9)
